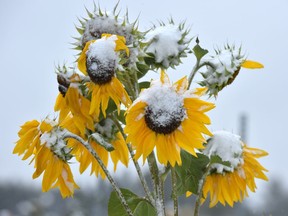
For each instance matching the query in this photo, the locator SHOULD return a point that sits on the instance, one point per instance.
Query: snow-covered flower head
(228, 147)
(100, 58)
(44, 142)
(169, 117)
(223, 67)
(100, 61)
(229, 183)
(166, 45)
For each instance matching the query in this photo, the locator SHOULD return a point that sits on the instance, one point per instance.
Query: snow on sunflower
(169, 117)
(230, 184)
(100, 61)
(44, 142)
(86, 159)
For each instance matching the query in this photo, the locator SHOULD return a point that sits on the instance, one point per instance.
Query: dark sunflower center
(100, 72)
(163, 121)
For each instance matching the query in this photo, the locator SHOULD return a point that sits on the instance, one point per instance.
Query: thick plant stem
(194, 71)
(157, 184)
(109, 177)
(200, 192)
(136, 164)
(174, 195)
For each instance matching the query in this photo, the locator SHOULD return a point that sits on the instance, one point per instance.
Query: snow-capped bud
(166, 45)
(223, 67)
(102, 22)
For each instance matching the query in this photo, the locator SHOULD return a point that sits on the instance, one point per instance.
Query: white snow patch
(229, 147)
(164, 102)
(164, 43)
(104, 51)
(69, 184)
(54, 141)
(107, 129)
(106, 24)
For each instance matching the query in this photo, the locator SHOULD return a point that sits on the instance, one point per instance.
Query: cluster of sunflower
(107, 108)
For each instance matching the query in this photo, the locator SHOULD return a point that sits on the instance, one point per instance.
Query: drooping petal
(252, 64)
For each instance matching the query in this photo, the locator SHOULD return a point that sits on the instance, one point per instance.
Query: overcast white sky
(35, 36)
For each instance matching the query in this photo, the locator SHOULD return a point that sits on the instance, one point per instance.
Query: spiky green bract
(166, 44)
(102, 22)
(221, 69)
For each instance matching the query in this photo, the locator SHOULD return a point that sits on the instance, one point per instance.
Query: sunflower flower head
(166, 44)
(223, 68)
(169, 117)
(229, 184)
(44, 142)
(100, 61)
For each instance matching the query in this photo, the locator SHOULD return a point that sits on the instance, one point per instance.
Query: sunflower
(231, 184)
(169, 117)
(100, 61)
(43, 142)
(86, 159)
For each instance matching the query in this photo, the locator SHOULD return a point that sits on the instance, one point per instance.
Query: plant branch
(136, 164)
(197, 66)
(174, 195)
(157, 184)
(105, 170)
(200, 191)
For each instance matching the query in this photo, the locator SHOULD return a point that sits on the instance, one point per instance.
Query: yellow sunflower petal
(252, 64)
(181, 85)
(164, 77)
(82, 58)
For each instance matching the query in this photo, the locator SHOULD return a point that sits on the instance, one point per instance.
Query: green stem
(136, 164)
(136, 84)
(194, 71)
(157, 184)
(174, 195)
(105, 170)
(131, 87)
(200, 191)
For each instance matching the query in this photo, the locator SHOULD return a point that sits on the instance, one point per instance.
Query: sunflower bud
(102, 22)
(166, 45)
(222, 69)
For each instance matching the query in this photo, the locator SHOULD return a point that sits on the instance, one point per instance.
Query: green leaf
(216, 159)
(121, 117)
(191, 171)
(143, 69)
(138, 205)
(144, 208)
(115, 207)
(144, 85)
(199, 52)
